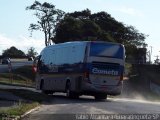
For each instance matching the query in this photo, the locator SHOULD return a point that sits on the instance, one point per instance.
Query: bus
(81, 68)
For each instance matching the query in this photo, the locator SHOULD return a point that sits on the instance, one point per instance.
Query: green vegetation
(48, 17)
(59, 27)
(17, 79)
(25, 71)
(13, 52)
(28, 95)
(144, 74)
(140, 77)
(19, 109)
(81, 25)
(30, 100)
(21, 76)
(32, 52)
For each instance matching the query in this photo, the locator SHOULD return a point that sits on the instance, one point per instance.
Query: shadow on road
(56, 98)
(62, 99)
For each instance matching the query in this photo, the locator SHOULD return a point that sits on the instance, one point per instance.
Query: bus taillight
(86, 74)
(120, 80)
(121, 77)
(34, 69)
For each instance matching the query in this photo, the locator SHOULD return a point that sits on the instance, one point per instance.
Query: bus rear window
(106, 50)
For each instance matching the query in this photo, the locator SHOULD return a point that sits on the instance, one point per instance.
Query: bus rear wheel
(47, 92)
(100, 97)
(70, 93)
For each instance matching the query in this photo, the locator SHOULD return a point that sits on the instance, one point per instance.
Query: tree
(32, 52)
(48, 18)
(83, 25)
(120, 32)
(71, 29)
(111, 29)
(13, 52)
(90, 29)
(83, 15)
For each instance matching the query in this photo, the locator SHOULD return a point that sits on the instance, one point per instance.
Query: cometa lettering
(106, 72)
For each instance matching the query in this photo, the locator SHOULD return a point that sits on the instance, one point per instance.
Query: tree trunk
(46, 40)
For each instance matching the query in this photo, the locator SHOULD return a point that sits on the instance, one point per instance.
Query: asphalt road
(64, 108)
(15, 64)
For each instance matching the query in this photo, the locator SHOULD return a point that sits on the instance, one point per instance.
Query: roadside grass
(28, 95)
(18, 110)
(29, 100)
(19, 59)
(16, 79)
(20, 76)
(25, 71)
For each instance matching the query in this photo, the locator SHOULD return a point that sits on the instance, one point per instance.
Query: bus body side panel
(38, 81)
(62, 64)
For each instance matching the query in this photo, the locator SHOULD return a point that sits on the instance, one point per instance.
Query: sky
(15, 20)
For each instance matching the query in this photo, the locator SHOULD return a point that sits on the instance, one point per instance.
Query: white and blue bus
(81, 68)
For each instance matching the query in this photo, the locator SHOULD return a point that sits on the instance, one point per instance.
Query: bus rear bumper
(97, 89)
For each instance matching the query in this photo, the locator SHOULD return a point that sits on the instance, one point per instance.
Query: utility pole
(151, 49)
(150, 54)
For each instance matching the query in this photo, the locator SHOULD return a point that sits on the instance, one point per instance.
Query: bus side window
(80, 52)
(65, 55)
(52, 57)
